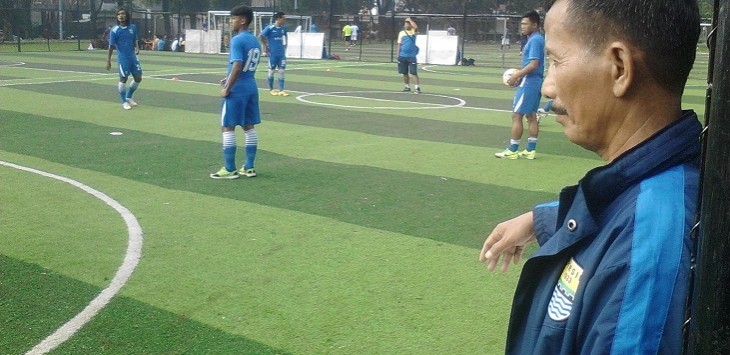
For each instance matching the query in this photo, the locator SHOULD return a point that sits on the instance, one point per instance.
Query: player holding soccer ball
(529, 82)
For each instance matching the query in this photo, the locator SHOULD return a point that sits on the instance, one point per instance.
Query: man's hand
(508, 239)
(413, 23)
(108, 65)
(513, 80)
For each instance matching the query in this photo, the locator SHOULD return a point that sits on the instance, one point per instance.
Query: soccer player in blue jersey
(240, 96)
(124, 38)
(274, 38)
(527, 97)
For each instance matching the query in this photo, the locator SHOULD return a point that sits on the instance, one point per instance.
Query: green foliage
(706, 8)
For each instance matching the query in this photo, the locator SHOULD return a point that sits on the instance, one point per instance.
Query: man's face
(237, 22)
(407, 24)
(280, 21)
(122, 16)
(579, 82)
(527, 27)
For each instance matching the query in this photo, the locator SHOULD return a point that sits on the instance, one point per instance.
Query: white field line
(222, 72)
(420, 105)
(427, 68)
(131, 259)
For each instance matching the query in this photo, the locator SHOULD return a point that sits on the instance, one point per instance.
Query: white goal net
(216, 39)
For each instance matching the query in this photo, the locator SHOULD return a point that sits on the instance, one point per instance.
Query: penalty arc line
(131, 259)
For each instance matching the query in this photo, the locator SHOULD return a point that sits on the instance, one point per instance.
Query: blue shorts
(277, 61)
(129, 67)
(527, 100)
(407, 64)
(240, 109)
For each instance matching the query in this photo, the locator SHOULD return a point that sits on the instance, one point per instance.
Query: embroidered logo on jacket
(561, 303)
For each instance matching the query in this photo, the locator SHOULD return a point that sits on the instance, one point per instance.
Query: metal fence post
(709, 331)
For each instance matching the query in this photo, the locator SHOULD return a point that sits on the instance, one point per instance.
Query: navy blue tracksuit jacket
(611, 273)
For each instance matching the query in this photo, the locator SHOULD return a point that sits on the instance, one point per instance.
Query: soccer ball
(507, 75)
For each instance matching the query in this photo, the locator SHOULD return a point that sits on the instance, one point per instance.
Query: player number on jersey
(254, 54)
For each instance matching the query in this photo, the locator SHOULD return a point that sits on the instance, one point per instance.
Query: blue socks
(229, 150)
(548, 106)
(251, 145)
(122, 91)
(132, 88)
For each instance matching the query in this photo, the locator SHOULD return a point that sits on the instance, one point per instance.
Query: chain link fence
(45, 29)
(480, 36)
(37, 28)
(50, 29)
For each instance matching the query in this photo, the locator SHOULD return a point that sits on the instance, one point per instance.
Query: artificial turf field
(359, 236)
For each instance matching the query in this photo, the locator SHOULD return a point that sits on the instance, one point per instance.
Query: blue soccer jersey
(123, 39)
(245, 48)
(534, 50)
(276, 38)
(407, 42)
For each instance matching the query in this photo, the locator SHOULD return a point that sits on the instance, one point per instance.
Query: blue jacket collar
(678, 144)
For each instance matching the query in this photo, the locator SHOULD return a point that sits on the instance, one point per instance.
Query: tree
(705, 8)
(94, 9)
(5, 19)
(180, 7)
(15, 19)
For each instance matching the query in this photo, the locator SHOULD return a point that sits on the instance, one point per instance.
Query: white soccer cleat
(541, 113)
(132, 102)
(250, 172)
(126, 106)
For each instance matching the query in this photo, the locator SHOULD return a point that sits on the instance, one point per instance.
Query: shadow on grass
(36, 301)
(425, 206)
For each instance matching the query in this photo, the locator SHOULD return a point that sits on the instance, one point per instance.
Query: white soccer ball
(507, 75)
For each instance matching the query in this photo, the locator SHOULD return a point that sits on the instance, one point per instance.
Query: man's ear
(623, 59)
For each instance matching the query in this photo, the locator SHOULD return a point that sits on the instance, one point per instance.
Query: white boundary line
(428, 69)
(12, 64)
(424, 105)
(131, 259)
(63, 71)
(154, 75)
(50, 81)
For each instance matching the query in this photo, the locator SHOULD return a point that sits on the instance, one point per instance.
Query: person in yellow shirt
(407, 52)
(347, 32)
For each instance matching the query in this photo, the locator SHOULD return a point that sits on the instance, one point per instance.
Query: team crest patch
(561, 303)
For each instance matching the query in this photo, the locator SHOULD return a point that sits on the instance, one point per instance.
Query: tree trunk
(166, 17)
